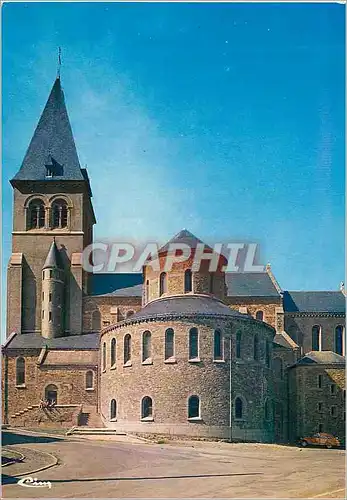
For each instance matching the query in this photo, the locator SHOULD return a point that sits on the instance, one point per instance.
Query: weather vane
(59, 62)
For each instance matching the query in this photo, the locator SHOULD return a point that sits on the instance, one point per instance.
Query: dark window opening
(127, 348)
(146, 345)
(146, 407)
(59, 214)
(188, 281)
(36, 217)
(218, 345)
(238, 408)
(169, 343)
(193, 343)
(20, 371)
(194, 407)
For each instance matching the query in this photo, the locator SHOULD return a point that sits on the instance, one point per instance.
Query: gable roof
(250, 284)
(325, 301)
(52, 144)
(321, 358)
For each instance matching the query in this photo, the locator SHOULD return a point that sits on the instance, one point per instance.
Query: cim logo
(30, 482)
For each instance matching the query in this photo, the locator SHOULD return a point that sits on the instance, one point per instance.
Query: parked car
(320, 439)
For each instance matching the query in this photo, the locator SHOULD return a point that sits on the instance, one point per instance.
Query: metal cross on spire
(59, 62)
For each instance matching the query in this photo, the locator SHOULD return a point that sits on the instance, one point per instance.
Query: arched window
(259, 315)
(147, 290)
(59, 214)
(36, 214)
(113, 352)
(238, 408)
(194, 407)
(169, 343)
(267, 354)
(188, 281)
(113, 409)
(96, 321)
(146, 346)
(127, 348)
(238, 344)
(267, 409)
(193, 343)
(104, 356)
(146, 407)
(256, 347)
(218, 345)
(162, 284)
(20, 371)
(90, 379)
(129, 314)
(339, 340)
(277, 365)
(211, 282)
(316, 338)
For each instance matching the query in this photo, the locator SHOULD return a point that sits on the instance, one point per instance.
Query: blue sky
(226, 119)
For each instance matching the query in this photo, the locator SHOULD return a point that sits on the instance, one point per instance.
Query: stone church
(190, 353)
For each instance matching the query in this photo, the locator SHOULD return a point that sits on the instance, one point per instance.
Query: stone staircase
(33, 416)
(94, 431)
(90, 424)
(90, 418)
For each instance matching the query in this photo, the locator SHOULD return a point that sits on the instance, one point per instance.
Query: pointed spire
(53, 259)
(52, 152)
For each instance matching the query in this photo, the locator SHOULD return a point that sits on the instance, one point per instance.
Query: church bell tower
(53, 221)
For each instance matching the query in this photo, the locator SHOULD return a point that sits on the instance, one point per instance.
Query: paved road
(96, 469)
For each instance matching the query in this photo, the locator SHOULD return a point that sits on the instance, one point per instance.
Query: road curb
(53, 462)
(21, 457)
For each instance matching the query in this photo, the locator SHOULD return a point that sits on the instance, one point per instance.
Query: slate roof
(185, 305)
(250, 285)
(328, 302)
(52, 144)
(116, 284)
(321, 358)
(53, 259)
(284, 340)
(239, 285)
(35, 341)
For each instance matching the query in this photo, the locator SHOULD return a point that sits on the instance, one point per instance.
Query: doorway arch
(51, 393)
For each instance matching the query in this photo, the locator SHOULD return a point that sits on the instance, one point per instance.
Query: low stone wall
(64, 416)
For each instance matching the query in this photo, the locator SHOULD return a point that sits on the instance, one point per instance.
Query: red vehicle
(320, 439)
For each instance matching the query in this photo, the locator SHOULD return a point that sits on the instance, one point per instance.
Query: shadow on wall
(29, 298)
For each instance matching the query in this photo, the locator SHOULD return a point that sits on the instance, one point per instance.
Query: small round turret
(52, 295)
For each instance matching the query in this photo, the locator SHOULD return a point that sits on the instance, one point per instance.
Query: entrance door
(51, 393)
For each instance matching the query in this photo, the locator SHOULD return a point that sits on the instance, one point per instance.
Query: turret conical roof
(53, 259)
(52, 149)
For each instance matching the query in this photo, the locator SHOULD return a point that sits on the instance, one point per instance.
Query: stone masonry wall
(312, 405)
(170, 383)
(70, 382)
